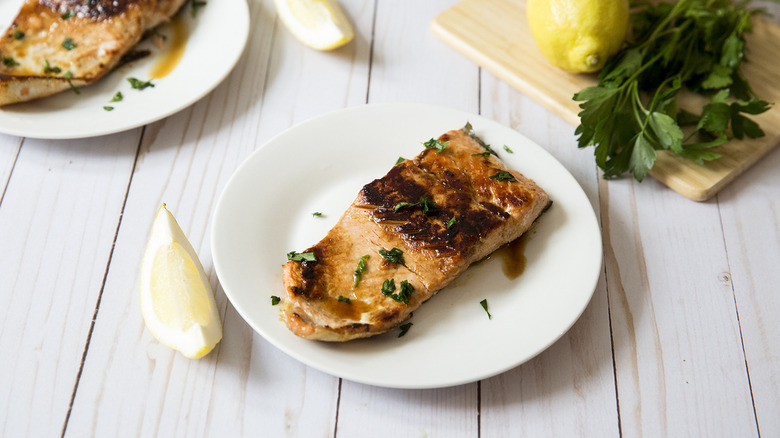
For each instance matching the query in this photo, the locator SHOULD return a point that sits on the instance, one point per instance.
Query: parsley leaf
(18, 34)
(451, 222)
(503, 176)
(506, 148)
(361, 268)
(117, 97)
(484, 305)
(301, 256)
(394, 255)
(400, 160)
(138, 84)
(404, 328)
(436, 144)
(317, 214)
(108, 108)
(426, 205)
(9, 62)
(343, 299)
(68, 44)
(196, 4)
(275, 300)
(47, 68)
(67, 15)
(388, 289)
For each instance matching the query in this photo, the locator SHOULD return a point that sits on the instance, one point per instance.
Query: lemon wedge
(177, 302)
(320, 24)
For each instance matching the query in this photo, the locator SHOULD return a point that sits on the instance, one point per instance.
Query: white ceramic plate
(216, 40)
(266, 211)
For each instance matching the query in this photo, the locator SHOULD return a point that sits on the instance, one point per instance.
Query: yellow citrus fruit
(578, 35)
(320, 24)
(177, 302)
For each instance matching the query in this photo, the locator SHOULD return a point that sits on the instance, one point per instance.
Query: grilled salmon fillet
(421, 226)
(54, 45)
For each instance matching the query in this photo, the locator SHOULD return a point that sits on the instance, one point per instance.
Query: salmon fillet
(440, 211)
(54, 45)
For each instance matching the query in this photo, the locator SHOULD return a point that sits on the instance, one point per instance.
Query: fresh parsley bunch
(632, 113)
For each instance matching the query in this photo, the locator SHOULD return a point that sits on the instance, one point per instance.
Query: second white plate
(266, 211)
(217, 37)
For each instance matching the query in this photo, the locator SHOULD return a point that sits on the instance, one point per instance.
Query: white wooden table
(681, 337)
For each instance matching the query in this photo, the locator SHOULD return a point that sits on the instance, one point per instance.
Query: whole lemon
(578, 35)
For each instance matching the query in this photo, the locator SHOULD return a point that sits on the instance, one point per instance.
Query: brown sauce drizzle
(174, 49)
(513, 256)
(351, 311)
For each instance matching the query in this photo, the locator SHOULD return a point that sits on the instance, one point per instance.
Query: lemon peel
(578, 35)
(177, 302)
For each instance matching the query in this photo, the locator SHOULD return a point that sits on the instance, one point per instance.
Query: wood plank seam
(102, 288)
(736, 313)
(11, 172)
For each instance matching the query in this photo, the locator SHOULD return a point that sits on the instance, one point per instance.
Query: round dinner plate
(217, 36)
(266, 210)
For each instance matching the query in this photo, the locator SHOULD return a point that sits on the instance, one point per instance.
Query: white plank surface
(57, 225)
(565, 390)
(750, 211)
(680, 338)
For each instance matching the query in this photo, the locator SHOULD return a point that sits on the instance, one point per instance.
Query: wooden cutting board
(495, 35)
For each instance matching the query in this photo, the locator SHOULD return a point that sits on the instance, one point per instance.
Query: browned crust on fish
(488, 213)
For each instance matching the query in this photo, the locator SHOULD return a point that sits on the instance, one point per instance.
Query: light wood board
(494, 34)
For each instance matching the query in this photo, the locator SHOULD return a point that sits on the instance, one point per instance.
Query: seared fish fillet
(442, 210)
(53, 44)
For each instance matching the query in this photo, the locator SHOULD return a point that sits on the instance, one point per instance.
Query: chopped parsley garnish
(451, 222)
(388, 290)
(9, 62)
(18, 34)
(194, 7)
(301, 256)
(436, 144)
(506, 148)
(317, 214)
(68, 75)
(426, 205)
(482, 154)
(73, 87)
(404, 328)
(68, 44)
(275, 300)
(400, 160)
(503, 176)
(117, 97)
(343, 299)
(67, 15)
(138, 84)
(361, 268)
(388, 287)
(47, 68)
(394, 255)
(108, 108)
(485, 306)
